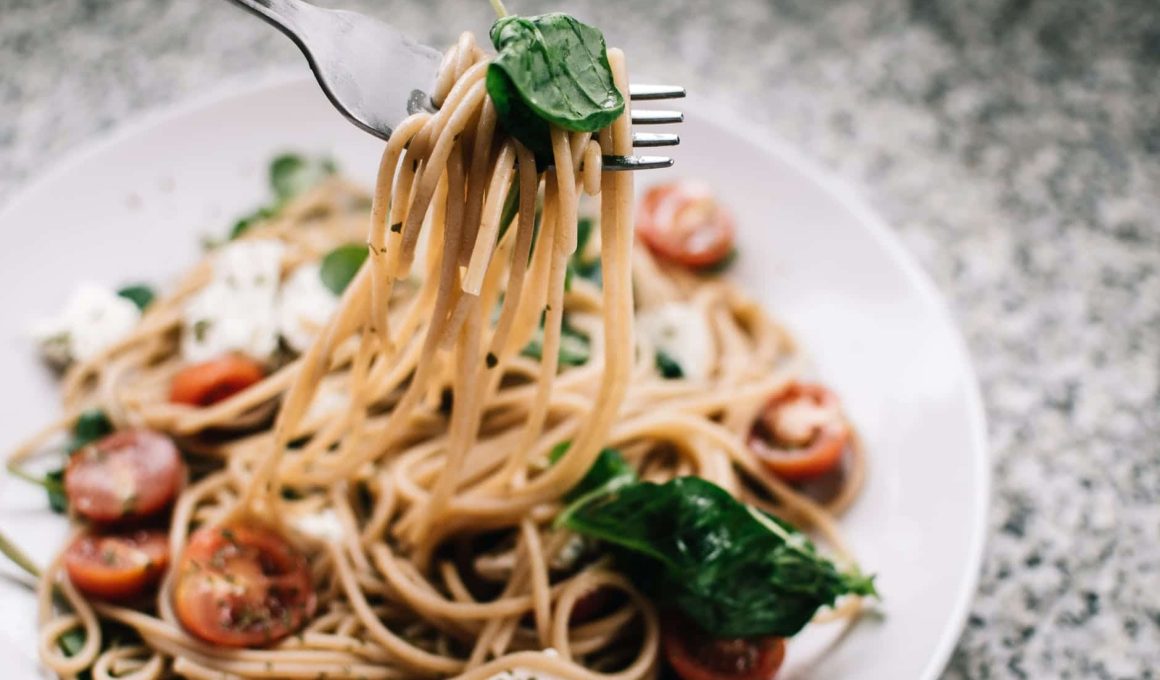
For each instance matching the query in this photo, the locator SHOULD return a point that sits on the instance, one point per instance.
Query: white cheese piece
(323, 525)
(304, 306)
(681, 332)
(94, 318)
(235, 311)
(331, 398)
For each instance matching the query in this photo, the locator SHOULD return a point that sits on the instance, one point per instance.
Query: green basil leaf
(732, 570)
(91, 425)
(550, 69)
(139, 294)
(291, 174)
(609, 471)
(575, 348)
(54, 487)
(340, 266)
(245, 222)
(668, 366)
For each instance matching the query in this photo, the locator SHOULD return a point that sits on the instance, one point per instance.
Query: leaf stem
(9, 550)
(500, 10)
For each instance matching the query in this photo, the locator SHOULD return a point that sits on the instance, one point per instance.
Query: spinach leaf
(578, 264)
(139, 294)
(340, 266)
(550, 69)
(609, 471)
(54, 487)
(668, 366)
(291, 174)
(733, 570)
(246, 221)
(575, 348)
(91, 425)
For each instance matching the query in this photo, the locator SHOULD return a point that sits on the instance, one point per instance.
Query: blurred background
(1014, 144)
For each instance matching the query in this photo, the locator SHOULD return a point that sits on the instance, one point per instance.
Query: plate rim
(762, 138)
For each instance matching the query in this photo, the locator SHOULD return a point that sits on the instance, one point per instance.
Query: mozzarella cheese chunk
(323, 525)
(304, 306)
(235, 311)
(94, 318)
(681, 332)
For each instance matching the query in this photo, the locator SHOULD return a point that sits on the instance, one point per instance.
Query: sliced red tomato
(696, 656)
(117, 566)
(802, 433)
(127, 475)
(212, 381)
(242, 586)
(683, 223)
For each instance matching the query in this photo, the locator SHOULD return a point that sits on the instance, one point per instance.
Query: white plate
(134, 206)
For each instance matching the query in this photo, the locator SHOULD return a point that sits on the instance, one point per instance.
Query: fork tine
(636, 162)
(652, 117)
(649, 139)
(649, 92)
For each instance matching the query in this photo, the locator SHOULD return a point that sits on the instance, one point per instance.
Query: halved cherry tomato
(242, 586)
(117, 566)
(683, 223)
(212, 381)
(696, 656)
(802, 433)
(127, 475)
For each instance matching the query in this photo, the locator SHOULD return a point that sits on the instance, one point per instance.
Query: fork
(376, 76)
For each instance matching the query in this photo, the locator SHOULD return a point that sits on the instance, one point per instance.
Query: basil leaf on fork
(550, 69)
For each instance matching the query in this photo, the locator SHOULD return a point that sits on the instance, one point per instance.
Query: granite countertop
(1015, 146)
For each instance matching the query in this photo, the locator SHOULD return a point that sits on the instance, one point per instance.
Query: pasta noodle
(432, 503)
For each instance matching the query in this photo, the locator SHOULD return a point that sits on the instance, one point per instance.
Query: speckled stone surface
(1014, 144)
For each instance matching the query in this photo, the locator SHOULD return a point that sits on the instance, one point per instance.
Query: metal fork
(376, 76)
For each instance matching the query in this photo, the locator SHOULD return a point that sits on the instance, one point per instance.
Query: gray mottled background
(1014, 144)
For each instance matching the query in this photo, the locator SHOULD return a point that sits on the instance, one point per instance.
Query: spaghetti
(418, 425)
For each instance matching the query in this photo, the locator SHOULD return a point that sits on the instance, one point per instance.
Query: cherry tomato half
(683, 223)
(127, 475)
(242, 586)
(212, 381)
(695, 656)
(802, 433)
(117, 566)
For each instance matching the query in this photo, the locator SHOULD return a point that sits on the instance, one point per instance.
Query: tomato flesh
(681, 222)
(127, 475)
(801, 434)
(212, 381)
(242, 586)
(117, 566)
(696, 656)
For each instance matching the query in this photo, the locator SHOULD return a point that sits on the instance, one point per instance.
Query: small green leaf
(91, 425)
(139, 294)
(668, 366)
(72, 642)
(340, 266)
(54, 487)
(291, 174)
(608, 472)
(575, 348)
(550, 69)
(245, 222)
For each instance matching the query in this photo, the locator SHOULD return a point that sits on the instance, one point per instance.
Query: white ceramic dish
(133, 207)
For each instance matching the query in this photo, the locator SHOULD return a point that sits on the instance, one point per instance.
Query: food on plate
(464, 426)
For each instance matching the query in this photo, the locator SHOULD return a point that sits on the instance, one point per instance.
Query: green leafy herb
(668, 366)
(246, 221)
(733, 570)
(291, 174)
(139, 294)
(340, 266)
(575, 348)
(550, 69)
(54, 487)
(609, 471)
(91, 425)
(579, 265)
